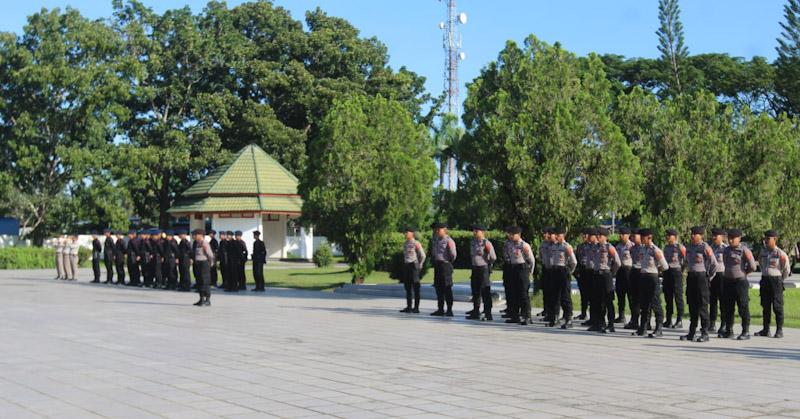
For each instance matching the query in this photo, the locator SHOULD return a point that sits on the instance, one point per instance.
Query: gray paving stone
(81, 350)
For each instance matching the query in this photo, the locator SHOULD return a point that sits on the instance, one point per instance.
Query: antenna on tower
(451, 41)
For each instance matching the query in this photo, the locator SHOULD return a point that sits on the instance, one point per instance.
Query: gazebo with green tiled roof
(251, 193)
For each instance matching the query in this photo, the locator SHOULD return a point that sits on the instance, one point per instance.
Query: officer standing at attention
(633, 281)
(443, 251)
(624, 273)
(184, 260)
(233, 260)
(242, 250)
(133, 251)
(146, 258)
(519, 257)
(507, 290)
(584, 272)
(718, 246)
(119, 256)
(171, 260)
(483, 256)
(652, 261)
(259, 259)
(108, 256)
(775, 268)
(675, 253)
(214, 245)
(202, 258)
(413, 259)
(702, 266)
(222, 259)
(562, 265)
(59, 247)
(739, 263)
(546, 280)
(96, 252)
(606, 264)
(158, 258)
(73, 249)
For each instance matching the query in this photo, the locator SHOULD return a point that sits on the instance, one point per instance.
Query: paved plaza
(73, 350)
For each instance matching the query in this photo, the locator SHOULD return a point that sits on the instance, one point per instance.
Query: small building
(252, 193)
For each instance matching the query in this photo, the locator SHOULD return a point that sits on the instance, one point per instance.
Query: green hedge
(36, 257)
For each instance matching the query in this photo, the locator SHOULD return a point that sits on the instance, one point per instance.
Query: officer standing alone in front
(259, 259)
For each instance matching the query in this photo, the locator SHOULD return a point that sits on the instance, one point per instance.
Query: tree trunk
(163, 201)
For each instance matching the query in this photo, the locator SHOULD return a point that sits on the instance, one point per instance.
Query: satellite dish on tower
(441, 25)
(462, 56)
(462, 18)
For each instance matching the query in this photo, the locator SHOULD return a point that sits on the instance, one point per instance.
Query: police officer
(775, 268)
(584, 272)
(119, 256)
(171, 260)
(633, 281)
(59, 248)
(133, 252)
(242, 251)
(259, 259)
(507, 291)
(624, 272)
(718, 246)
(214, 245)
(591, 251)
(202, 258)
(413, 259)
(146, 257)
(702, 265)
(108, 256)
(652, 261)
(184, 261)
(233, 260)
(606, 264)
(739, 262)
(222, 258)
(562, 265)
(675, 253)
(482, 256)
(96, 252)
(443, 250)
(521, 261)
(546, 280)
(73, 250)
(158, 258)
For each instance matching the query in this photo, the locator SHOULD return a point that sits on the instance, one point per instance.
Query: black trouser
(584, 287)
(120, 266)
(95, 269)
(697, 293)
(771, 292)
(549, 294)
(480, 283)
(735, 292)
(673, 292)
(202, 276)
(650, 299)
(213, 273)
(716, 302)
(621, 287)
(443, 283)
(185, 280)
(172, 274)
(506, 291)
(158, 271)
(258, 275)
(603, 299)
(147, 271)
(411, 284)
(133, 270)
(633, 295)
(109, 262)
(560, 290)
(520, 283)
(241, 276)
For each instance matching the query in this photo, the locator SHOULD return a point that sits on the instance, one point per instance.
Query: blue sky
(410, 27)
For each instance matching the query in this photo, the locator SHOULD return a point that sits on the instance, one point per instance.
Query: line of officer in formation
(164, 259)
(716, 279)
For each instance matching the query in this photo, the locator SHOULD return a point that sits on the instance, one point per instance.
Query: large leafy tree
(60, 105)
(540, 143)
(373, 171)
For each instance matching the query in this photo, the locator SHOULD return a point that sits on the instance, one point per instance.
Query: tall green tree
(787, 66)
(61, 95)
(540, 143)
(671, 43)
(373, 171)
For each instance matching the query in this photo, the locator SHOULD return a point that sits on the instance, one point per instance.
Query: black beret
(93, 232)
(169, 232)
(480, 227)
(106, 230)
(256, 233)
(438, 225)
(602, 231)
(717, 232)
(212, 231)
(198, 231)
(698, 230)
(672, 232)
(770, 233)
(645, 232)
(624, 230)
(131, 231)
(238, 233)
(559, 230)
(586, 230)
(734, 232)
(406, 229)
(514, 230)
(181, 231)
(230, 233)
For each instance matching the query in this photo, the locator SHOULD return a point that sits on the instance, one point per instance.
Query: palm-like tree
(445, 141)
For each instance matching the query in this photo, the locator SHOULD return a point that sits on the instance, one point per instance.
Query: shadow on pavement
(759, 353)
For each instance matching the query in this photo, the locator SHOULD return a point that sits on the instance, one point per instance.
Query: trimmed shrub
(323, 256)
(37, 257)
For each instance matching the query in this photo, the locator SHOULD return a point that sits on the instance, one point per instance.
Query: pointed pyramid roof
(252, 181)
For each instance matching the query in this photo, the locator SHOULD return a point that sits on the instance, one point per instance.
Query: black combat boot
(439, 312)
(763, 332)
(656, 333)
(207, 301)
(703, 337)
(406, 310)
(778, 333)
(200, 301)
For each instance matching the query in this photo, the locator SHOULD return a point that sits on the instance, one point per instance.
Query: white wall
(246, 225)
(274, 236)
(11, 241)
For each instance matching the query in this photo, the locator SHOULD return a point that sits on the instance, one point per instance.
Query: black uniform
(184, 260)
(96, 251)
(158, 262)
(702, 265)
(170, 264)
(222, 258)
(108, 259)
(133, 251)
(119, 260)
(214, 245)
(443, 251)
(146, 262)
(259, 259)
(242, 252)
(739, 262)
